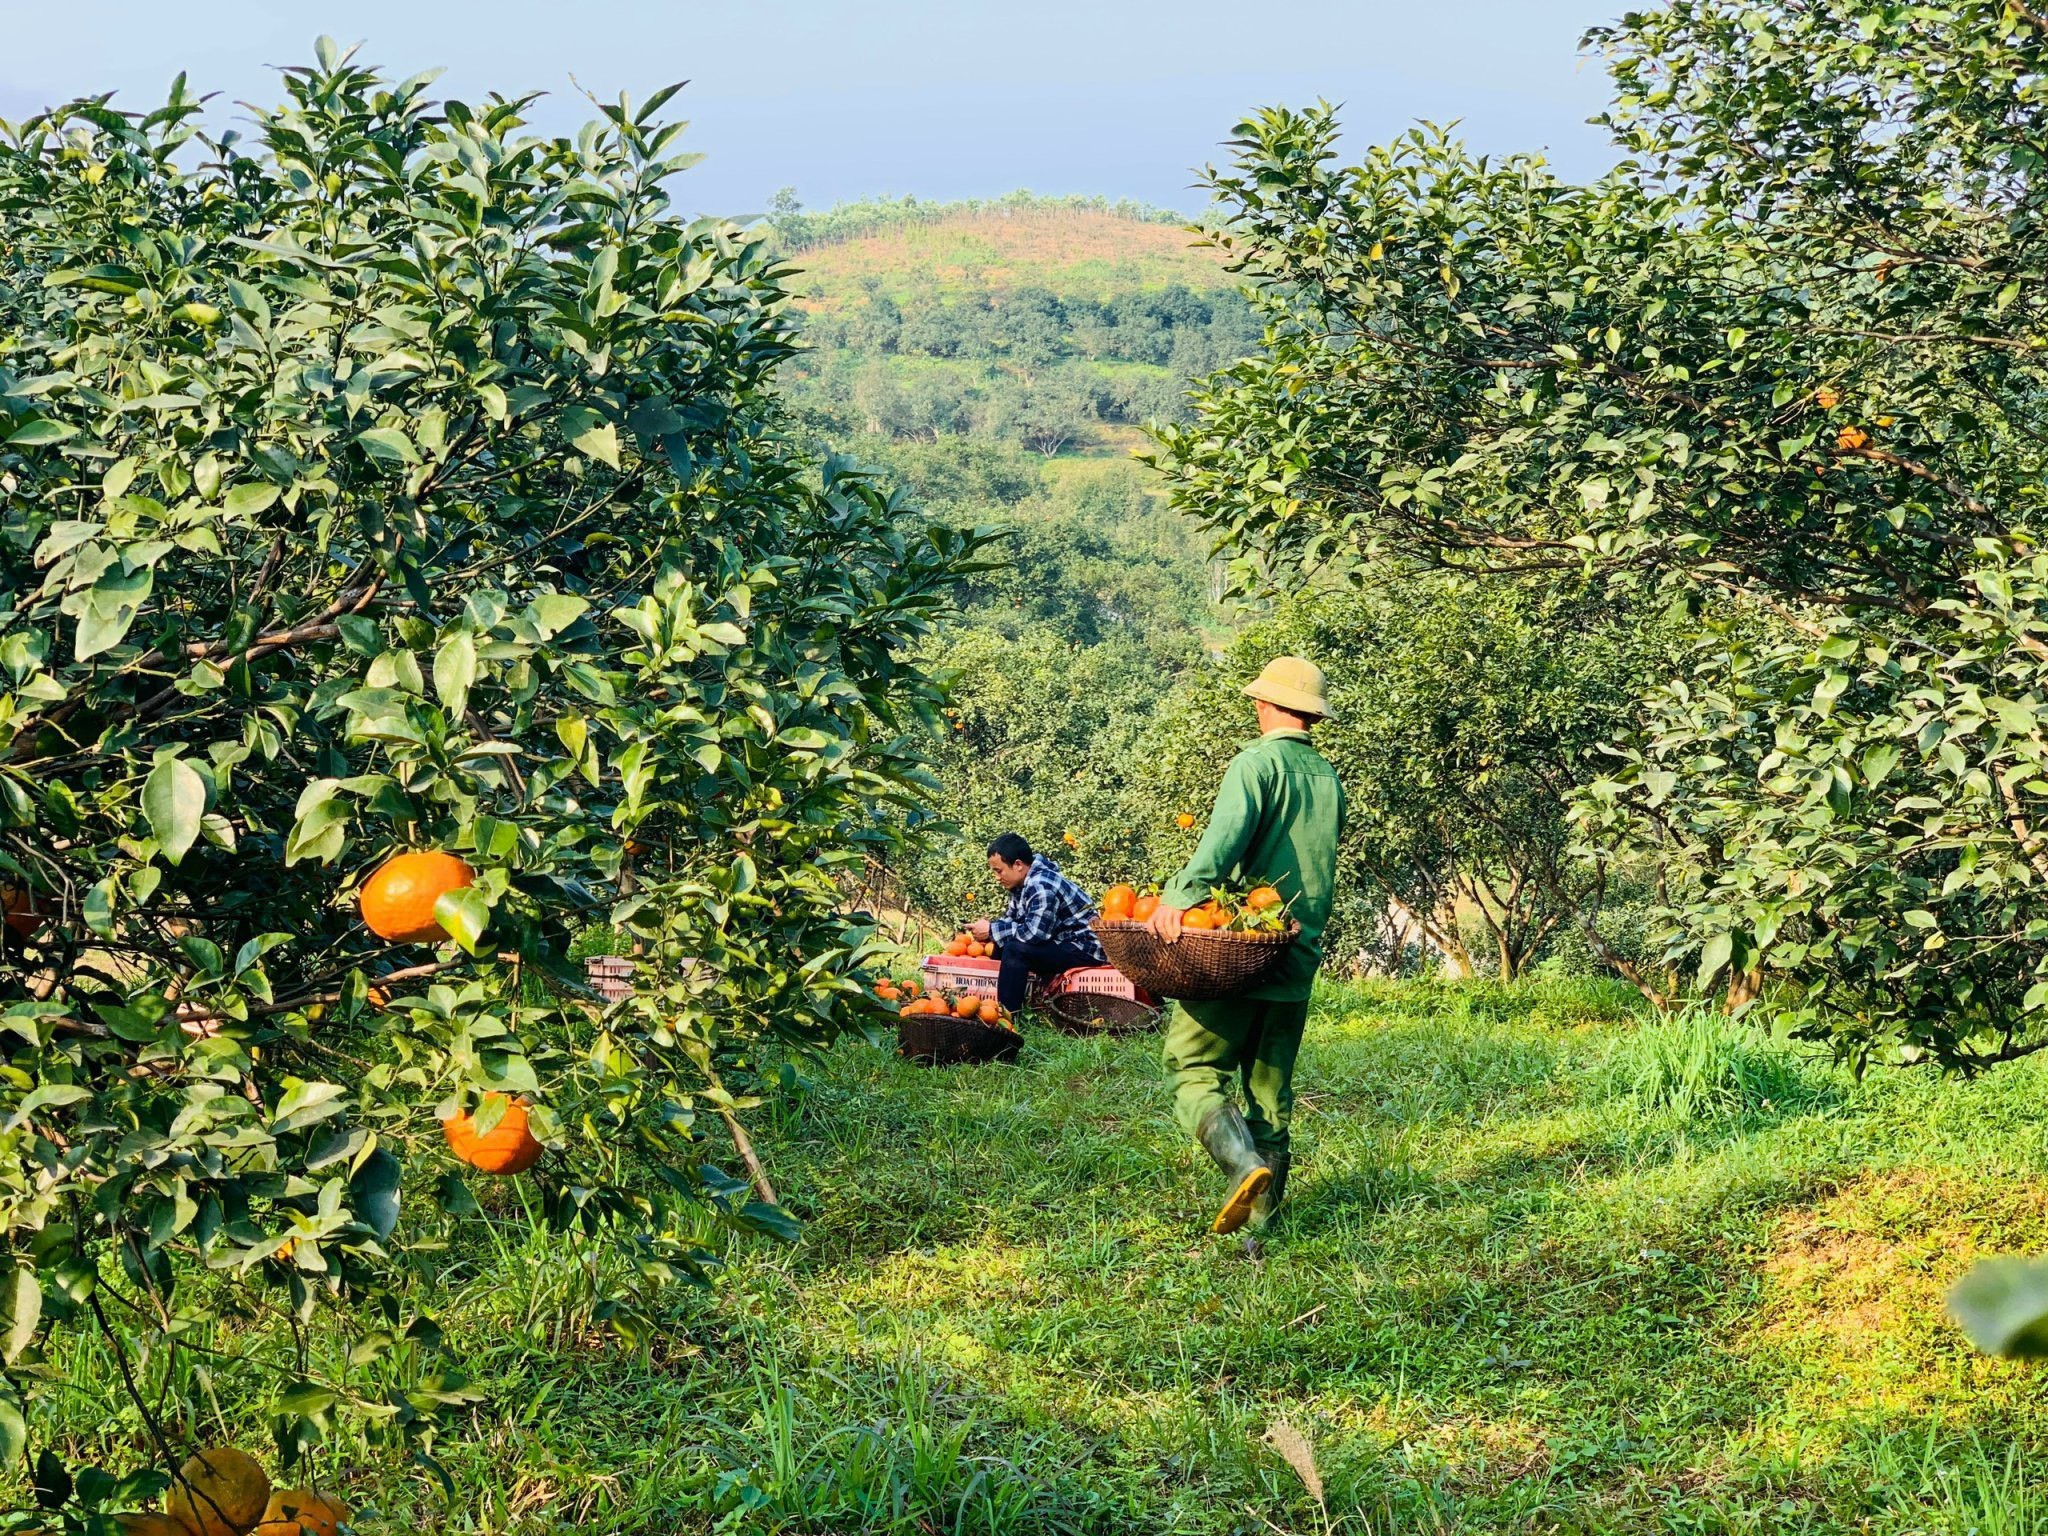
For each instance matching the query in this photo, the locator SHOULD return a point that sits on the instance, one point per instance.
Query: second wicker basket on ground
(1098, 1013)
(1202, 966)
(945, 1040)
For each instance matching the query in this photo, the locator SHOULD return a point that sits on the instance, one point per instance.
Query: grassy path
(1546, 1269)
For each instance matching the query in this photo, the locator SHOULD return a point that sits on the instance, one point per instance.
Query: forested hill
(1048, 323)
(1001, 360)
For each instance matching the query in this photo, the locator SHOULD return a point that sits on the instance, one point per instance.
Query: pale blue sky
(941, 98)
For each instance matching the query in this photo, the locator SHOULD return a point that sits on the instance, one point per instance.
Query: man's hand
(980, 929)
(1165, 922)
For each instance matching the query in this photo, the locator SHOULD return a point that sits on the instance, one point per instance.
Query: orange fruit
(398, 900)
(1184, 821)
(219, 1492)
(1261, 899)
(1826, 398)
(1194, 917)
(1118, 902)
(509, 1146)
(991, 1011)
(1143, 908)
(968, 1006)
(1851, 438)
(887, 992)
(19, 910)
(302, 1512)
(911, 989)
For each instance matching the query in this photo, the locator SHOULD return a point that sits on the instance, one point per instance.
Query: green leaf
(21, 1309)
(769, 1220)
(1878, 762)
(39, 433)
(174, 800)
(108, 609)
(554, 612)
(13, 1432)
(465, 914)
(2002, 1304)
(307, 1103)
(388, 444)
(249, 499)
(374, 1192)
(1714, 957)
(588, 433)
(455, 670)
(361, 635)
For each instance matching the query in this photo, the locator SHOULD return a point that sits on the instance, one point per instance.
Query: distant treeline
(795, 230)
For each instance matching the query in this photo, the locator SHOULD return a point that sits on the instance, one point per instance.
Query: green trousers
(1247, 1040)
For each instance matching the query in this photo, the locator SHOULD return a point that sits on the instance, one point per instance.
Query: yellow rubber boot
(1228, 1140)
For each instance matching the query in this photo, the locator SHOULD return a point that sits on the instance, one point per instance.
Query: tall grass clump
(1700, 1064)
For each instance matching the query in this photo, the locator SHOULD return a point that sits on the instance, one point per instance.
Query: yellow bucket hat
(1294, 684)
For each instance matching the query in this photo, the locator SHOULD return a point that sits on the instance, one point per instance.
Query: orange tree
(1783, 368)
(391, 478)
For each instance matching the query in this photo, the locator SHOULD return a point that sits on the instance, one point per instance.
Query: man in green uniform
(1277, 820)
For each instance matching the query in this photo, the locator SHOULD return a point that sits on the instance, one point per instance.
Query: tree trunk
(1623, 968)
(1742, 989)
(1510, 961)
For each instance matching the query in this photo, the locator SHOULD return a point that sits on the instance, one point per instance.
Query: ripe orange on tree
(219, 1492)
(1118, 903)
(507, 1147)
(302, 1512)
(398, 901)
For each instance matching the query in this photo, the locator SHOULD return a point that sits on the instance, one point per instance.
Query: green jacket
(1278, 818)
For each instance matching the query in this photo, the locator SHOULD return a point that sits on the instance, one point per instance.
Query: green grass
(1545, 1267)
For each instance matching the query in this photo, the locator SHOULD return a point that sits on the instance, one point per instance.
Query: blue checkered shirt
(1048, 908)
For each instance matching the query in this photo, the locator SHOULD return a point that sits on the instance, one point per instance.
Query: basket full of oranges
(940, 1031)
(1227, 945)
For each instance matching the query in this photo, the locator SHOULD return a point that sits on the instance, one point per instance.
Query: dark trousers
(1021, 962)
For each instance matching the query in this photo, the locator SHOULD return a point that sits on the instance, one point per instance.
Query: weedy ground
(1547, 1267)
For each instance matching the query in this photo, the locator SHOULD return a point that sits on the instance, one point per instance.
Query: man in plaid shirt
(1045, 929)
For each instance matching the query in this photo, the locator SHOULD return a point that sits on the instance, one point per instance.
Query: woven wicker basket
(945, 1040)
(1100, 1013)
(1202, 966)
